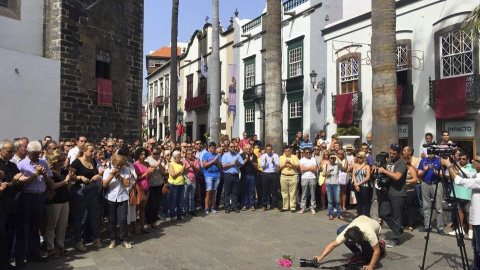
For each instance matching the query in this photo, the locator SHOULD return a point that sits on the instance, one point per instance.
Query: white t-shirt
(326, 141)
(308, 163)
(72, 154)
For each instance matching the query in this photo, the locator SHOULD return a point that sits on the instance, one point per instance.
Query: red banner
(104, 89)
(451, 98)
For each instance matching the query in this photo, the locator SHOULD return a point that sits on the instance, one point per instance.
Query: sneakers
(252, 208)
(441, 232)
(244, 208)
(214, 211)
(391, 244)
(453, 232)
(275, 210)
(263, 209)
(207, 211)
(424, 229)
(357, 259)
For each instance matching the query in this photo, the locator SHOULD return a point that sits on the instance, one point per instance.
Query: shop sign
(403, 131)
(461, 129)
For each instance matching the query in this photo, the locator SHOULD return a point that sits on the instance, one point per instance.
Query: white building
(304, 53)
(430, 44)
(30, 85)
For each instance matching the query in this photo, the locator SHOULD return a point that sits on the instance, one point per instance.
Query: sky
(192, 13)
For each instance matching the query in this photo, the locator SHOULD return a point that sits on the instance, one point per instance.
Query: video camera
(441, 150)
(309, 263)
(381, 161)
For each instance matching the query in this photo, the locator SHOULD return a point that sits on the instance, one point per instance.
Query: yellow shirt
(289, 168)
(179, 180)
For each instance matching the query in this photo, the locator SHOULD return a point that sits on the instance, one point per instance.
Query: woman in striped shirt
(361, 183)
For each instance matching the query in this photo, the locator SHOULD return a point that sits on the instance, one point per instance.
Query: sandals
(410, 229)
(380, 221)
(112, 245)
(154, 226)
(127, 245)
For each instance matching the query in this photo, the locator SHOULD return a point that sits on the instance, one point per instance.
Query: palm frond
(471, 24)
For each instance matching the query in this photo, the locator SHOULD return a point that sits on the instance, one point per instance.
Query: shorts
(211, 183)
(463, 205)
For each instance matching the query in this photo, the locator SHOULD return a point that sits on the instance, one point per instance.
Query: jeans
(391, 212)
(189, 197)
(218, 191)
(476, 247)
(28, 217)
(231, 182)
(153, 204)
(364, 201)
(333, 193)
(84, 206)
(365, 247)
(269, 188)
(428, 192)
(248, 183)
(176, 200)
(308, 184)
(118, 213)
(418, 189)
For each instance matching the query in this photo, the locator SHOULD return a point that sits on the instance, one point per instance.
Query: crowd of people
(51, 189)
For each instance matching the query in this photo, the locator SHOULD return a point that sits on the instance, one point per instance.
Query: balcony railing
(160, 101)
(252, 24)
(154, 122)
(150, 105)
(197, 103)
(407, 98)
(150, 122)
(357, 104)
(291, 4)
(249, 94)
(473, 91)
(165, 120)
(295, 83)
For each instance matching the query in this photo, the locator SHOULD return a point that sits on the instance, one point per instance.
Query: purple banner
(232, 88)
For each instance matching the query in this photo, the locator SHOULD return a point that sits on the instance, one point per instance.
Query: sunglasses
(156, 154)
(360, 157)
(316, 149)
(68, 145)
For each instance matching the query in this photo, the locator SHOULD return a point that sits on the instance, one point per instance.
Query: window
(249, 115)
(295, 109)
(295, 61)
(151, 63)
(456, 53)
(155, 90)
(348, 75)
(249, 76)
(190, 86)
(161, 88)
(102, 67)
(202, 86)
(167, 86)
(402, 57)
(10, 8)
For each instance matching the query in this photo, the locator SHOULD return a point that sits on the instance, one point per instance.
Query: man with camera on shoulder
(391, 180)
(471, 183)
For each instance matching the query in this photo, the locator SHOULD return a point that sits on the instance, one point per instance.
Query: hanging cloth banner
(232, 88)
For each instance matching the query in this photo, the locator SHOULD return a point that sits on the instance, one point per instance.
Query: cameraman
(474, 184)
(361, 237)
(393, 201)
(429, 170)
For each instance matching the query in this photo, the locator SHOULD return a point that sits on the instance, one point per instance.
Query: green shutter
(247, 62)
(294, 124)
(298, 42)
(249, 127)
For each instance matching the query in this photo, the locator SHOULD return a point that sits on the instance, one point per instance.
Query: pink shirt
(190, 172)
(141, 169)
(243, 142)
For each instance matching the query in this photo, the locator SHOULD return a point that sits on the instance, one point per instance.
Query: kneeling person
(363, 232)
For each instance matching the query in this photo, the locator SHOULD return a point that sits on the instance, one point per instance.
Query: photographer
(393, 202)
(361, 237)
(429, 170)
(474, 184)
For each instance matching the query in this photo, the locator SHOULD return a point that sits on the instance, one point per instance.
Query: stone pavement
(252, 240)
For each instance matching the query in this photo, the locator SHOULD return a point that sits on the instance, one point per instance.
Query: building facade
(437, 67)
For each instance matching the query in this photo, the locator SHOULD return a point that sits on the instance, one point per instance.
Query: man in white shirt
(72, 154)
(308, 168)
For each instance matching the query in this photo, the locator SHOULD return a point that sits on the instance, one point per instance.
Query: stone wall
(75, 35)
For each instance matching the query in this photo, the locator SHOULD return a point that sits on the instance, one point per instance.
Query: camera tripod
(453, 203)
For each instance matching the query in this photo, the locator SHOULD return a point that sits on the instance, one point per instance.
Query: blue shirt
(212, 170)
(370, 161)
(228, 158)
(428, 175)
(269, 167)
(307, 144)
(27, 167)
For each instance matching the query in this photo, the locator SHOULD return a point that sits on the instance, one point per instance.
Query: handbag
(137, 196)
(166, 189)
(321, 177)
(353, 198)
(133, 196)
(343, 176)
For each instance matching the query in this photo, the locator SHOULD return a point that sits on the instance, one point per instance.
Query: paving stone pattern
(252, 240)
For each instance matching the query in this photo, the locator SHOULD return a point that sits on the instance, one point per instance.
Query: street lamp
(320, 85)
(260, 101)
(313, 78)
(222, 95)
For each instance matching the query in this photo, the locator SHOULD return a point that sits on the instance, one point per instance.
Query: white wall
(25, 35)
(30, 103)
